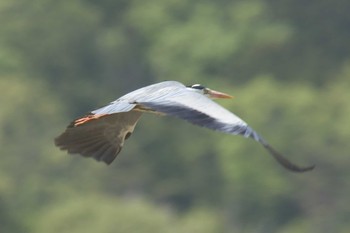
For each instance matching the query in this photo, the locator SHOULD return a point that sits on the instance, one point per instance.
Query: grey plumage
(101, 134)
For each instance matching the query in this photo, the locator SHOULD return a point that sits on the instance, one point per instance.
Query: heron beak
(218, 95)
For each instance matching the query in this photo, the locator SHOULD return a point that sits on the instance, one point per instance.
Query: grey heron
(101, 133)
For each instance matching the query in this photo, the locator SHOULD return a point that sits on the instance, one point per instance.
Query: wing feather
(101, 138)
(198, 110)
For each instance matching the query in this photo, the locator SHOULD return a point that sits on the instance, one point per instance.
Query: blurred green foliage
(287, 62)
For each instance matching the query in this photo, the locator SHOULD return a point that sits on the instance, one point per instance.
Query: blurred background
(286, 62)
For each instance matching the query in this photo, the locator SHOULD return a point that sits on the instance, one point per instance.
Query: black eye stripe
(197, 86)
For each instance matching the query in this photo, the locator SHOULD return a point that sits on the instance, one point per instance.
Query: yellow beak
(218, 95)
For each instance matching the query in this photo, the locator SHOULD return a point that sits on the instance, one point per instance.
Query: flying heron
(101, 133)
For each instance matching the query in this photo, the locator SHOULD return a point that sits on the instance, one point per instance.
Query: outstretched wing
(98, 136)
(202, 111)
(102, 133)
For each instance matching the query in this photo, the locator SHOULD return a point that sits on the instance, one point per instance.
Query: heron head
(208, 92)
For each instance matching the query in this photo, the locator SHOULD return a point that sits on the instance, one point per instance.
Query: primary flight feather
(101, 134)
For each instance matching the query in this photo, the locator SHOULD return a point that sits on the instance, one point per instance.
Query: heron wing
(101, 134)
(197, 109)
(152, 92)
(100, 137)
(202, 111)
